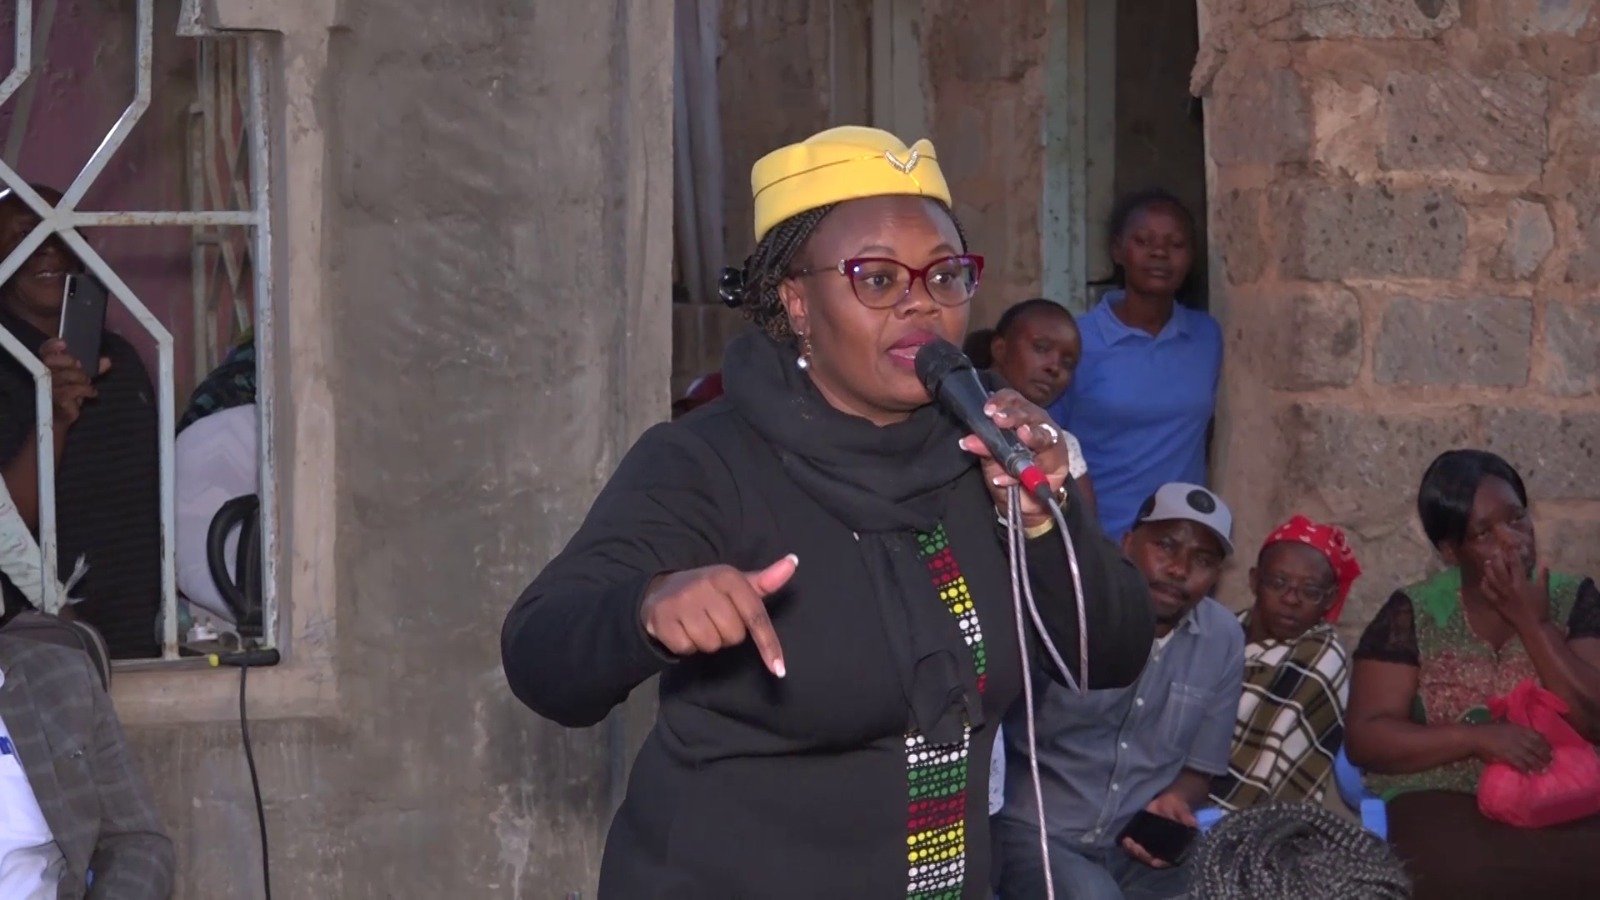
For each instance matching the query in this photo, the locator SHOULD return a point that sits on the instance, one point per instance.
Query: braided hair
(754, 288)
(1294, 851)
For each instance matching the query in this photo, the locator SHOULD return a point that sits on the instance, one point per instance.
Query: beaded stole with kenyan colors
(936, 829)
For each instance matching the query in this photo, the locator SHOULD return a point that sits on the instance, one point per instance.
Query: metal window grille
(231, 255)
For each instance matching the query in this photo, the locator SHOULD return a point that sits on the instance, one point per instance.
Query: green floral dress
(1424, 626)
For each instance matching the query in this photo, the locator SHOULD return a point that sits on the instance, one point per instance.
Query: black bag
(241, 591)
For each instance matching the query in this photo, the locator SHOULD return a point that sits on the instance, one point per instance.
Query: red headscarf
(1329, 541)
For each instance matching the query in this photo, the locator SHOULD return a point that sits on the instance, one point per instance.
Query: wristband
(1032, 531)
(1039, 530)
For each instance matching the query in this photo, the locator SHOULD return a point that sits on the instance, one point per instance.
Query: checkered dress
(1291, 719)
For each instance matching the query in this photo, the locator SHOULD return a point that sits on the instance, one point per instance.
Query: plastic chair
(1374, 817)
(1354, 792)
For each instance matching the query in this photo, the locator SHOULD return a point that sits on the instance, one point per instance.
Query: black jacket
(749, 786)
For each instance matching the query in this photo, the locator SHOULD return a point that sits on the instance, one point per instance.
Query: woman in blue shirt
(1146, 386)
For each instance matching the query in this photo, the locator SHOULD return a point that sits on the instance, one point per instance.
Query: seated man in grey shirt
(1154, 746)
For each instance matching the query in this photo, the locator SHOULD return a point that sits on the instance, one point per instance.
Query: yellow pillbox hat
(840, 164)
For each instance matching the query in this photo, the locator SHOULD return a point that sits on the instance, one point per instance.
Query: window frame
(65, 219)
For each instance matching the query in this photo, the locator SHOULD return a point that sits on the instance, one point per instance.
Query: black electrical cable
(255, 785)
(244, 660)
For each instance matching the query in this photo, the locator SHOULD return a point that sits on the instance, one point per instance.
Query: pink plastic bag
(1567, 790)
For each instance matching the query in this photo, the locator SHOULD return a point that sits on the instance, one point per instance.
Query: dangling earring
(804, 362)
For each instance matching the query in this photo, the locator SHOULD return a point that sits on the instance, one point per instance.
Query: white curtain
(697, 150)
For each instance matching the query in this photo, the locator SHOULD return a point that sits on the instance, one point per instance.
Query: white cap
(1179, 501)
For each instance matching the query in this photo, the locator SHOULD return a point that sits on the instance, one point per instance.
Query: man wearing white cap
(1155, 746)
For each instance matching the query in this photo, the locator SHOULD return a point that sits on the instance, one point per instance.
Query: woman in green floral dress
(1431, 659)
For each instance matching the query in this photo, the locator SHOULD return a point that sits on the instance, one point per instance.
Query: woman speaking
(817, 567)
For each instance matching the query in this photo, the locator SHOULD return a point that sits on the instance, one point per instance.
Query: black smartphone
(1166, 840)
(83, 318)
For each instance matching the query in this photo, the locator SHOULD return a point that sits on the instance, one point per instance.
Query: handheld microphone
(950, 378)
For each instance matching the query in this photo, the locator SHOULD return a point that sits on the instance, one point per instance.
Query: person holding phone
(1123, 770)
(106, 458)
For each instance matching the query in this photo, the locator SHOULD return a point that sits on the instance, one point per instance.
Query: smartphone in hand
(83, 320)
(1165, 839)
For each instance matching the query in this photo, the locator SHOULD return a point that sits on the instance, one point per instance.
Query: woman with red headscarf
(1296, 673)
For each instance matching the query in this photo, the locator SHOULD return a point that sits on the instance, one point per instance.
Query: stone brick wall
(1406, 241)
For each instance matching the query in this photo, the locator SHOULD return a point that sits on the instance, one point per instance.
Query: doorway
(1144, 132)
(1109, 78)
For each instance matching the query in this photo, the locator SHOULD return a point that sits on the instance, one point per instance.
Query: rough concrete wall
(774, 81)
(984, 71)
(774, 86)
(83, 78)
(504, 273)
(1407, 243)
(499, 236)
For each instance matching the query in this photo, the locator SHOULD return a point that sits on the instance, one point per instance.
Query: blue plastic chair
(1207, 816)
(1368, 805)
(1374, 817)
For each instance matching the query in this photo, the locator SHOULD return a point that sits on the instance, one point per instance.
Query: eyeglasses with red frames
(881, 283)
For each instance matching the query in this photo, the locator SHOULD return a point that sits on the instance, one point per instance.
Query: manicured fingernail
(988, 410)
(995, 481)
(793, 561)
(778, 669)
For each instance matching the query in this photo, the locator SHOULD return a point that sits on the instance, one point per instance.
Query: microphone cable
(1022, 594)
(244, 660)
